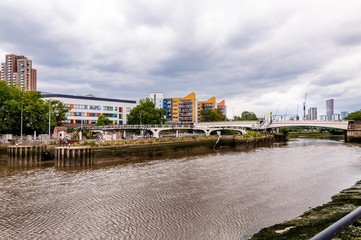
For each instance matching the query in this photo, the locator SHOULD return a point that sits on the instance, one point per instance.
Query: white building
(157, 98)
(336, 117)
(344, 115)
(86, 109)
(323, 117)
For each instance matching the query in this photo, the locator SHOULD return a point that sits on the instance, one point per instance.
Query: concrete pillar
(73, 156)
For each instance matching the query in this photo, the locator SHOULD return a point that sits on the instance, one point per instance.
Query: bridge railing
(141, 127)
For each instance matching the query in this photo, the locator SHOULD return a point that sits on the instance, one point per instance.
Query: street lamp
(21, 122)
(195, 111)
(49, 119)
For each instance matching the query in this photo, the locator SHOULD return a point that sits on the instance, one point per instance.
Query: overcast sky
(260, 56)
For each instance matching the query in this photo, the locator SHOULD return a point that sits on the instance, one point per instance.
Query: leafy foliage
(212, 115)
(246, 116)
(103, 120)
(16, 104)
(146, 113)
(354, 116)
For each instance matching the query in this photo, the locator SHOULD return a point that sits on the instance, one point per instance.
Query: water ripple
(221, 196)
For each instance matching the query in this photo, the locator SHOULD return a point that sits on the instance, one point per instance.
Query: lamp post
(140, 124)
(21, 123)
(195, 111)
(49, 119)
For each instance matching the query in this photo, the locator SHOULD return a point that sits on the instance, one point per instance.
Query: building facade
(205, 105)
(85, 110)
(329, 109)
(187, 109)
(221, 106)
(312, 114)
(157, 98)
(18, 71)
(180, 110)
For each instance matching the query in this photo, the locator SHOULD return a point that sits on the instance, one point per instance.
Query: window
(107, 108)
(94, 107)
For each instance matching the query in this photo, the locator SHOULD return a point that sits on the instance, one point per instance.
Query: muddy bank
(315, 220)
(166, 150)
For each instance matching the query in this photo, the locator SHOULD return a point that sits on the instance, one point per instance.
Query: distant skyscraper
(329, 109)
(312, 114)
(18, 71)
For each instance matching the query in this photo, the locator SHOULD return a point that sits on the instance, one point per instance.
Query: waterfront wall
(131, 153)
(354, 135)
(77, 156)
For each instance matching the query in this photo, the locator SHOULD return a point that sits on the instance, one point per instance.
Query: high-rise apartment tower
(329, 109)
(18, 71)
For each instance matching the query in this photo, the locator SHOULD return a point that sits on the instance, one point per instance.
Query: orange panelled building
(187, 109)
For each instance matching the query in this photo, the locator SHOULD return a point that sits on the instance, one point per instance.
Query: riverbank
(145, 149)
(150, 149)
(315, 220)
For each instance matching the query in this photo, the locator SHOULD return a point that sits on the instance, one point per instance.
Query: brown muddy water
(228, 195)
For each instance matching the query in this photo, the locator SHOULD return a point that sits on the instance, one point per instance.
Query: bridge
(208, 127)
(256, 125)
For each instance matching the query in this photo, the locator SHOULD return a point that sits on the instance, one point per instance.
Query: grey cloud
(130, 48)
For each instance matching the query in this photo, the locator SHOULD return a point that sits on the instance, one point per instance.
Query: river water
(228, 195)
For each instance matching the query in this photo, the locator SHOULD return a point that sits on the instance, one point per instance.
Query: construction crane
(304, 107)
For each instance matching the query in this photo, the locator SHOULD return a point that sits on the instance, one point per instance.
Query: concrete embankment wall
(133, 153)
(166, 150)
(354, 132)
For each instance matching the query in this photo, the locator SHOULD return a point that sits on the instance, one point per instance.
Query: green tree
(59, 111)
(246, 116)
(17, 105)
(212, 115)
(9, 108)
(146, 113)
(354, 116)
(103, 120)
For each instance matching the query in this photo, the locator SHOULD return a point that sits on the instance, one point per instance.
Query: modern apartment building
(184, 110)
(222, 107)
(180, 109)
(18, 71)
(205, 105)
(85, 110)
(329, 109)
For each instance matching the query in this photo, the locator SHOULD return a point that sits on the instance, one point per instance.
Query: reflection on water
(221, 196)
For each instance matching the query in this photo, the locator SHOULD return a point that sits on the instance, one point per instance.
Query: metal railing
(338, 226)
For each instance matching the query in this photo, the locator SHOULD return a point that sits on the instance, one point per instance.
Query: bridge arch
(208, 131)
(333, 125)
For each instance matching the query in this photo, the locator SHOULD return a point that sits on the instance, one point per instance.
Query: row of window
(94, 107)
(91, 114)
(73, 121)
